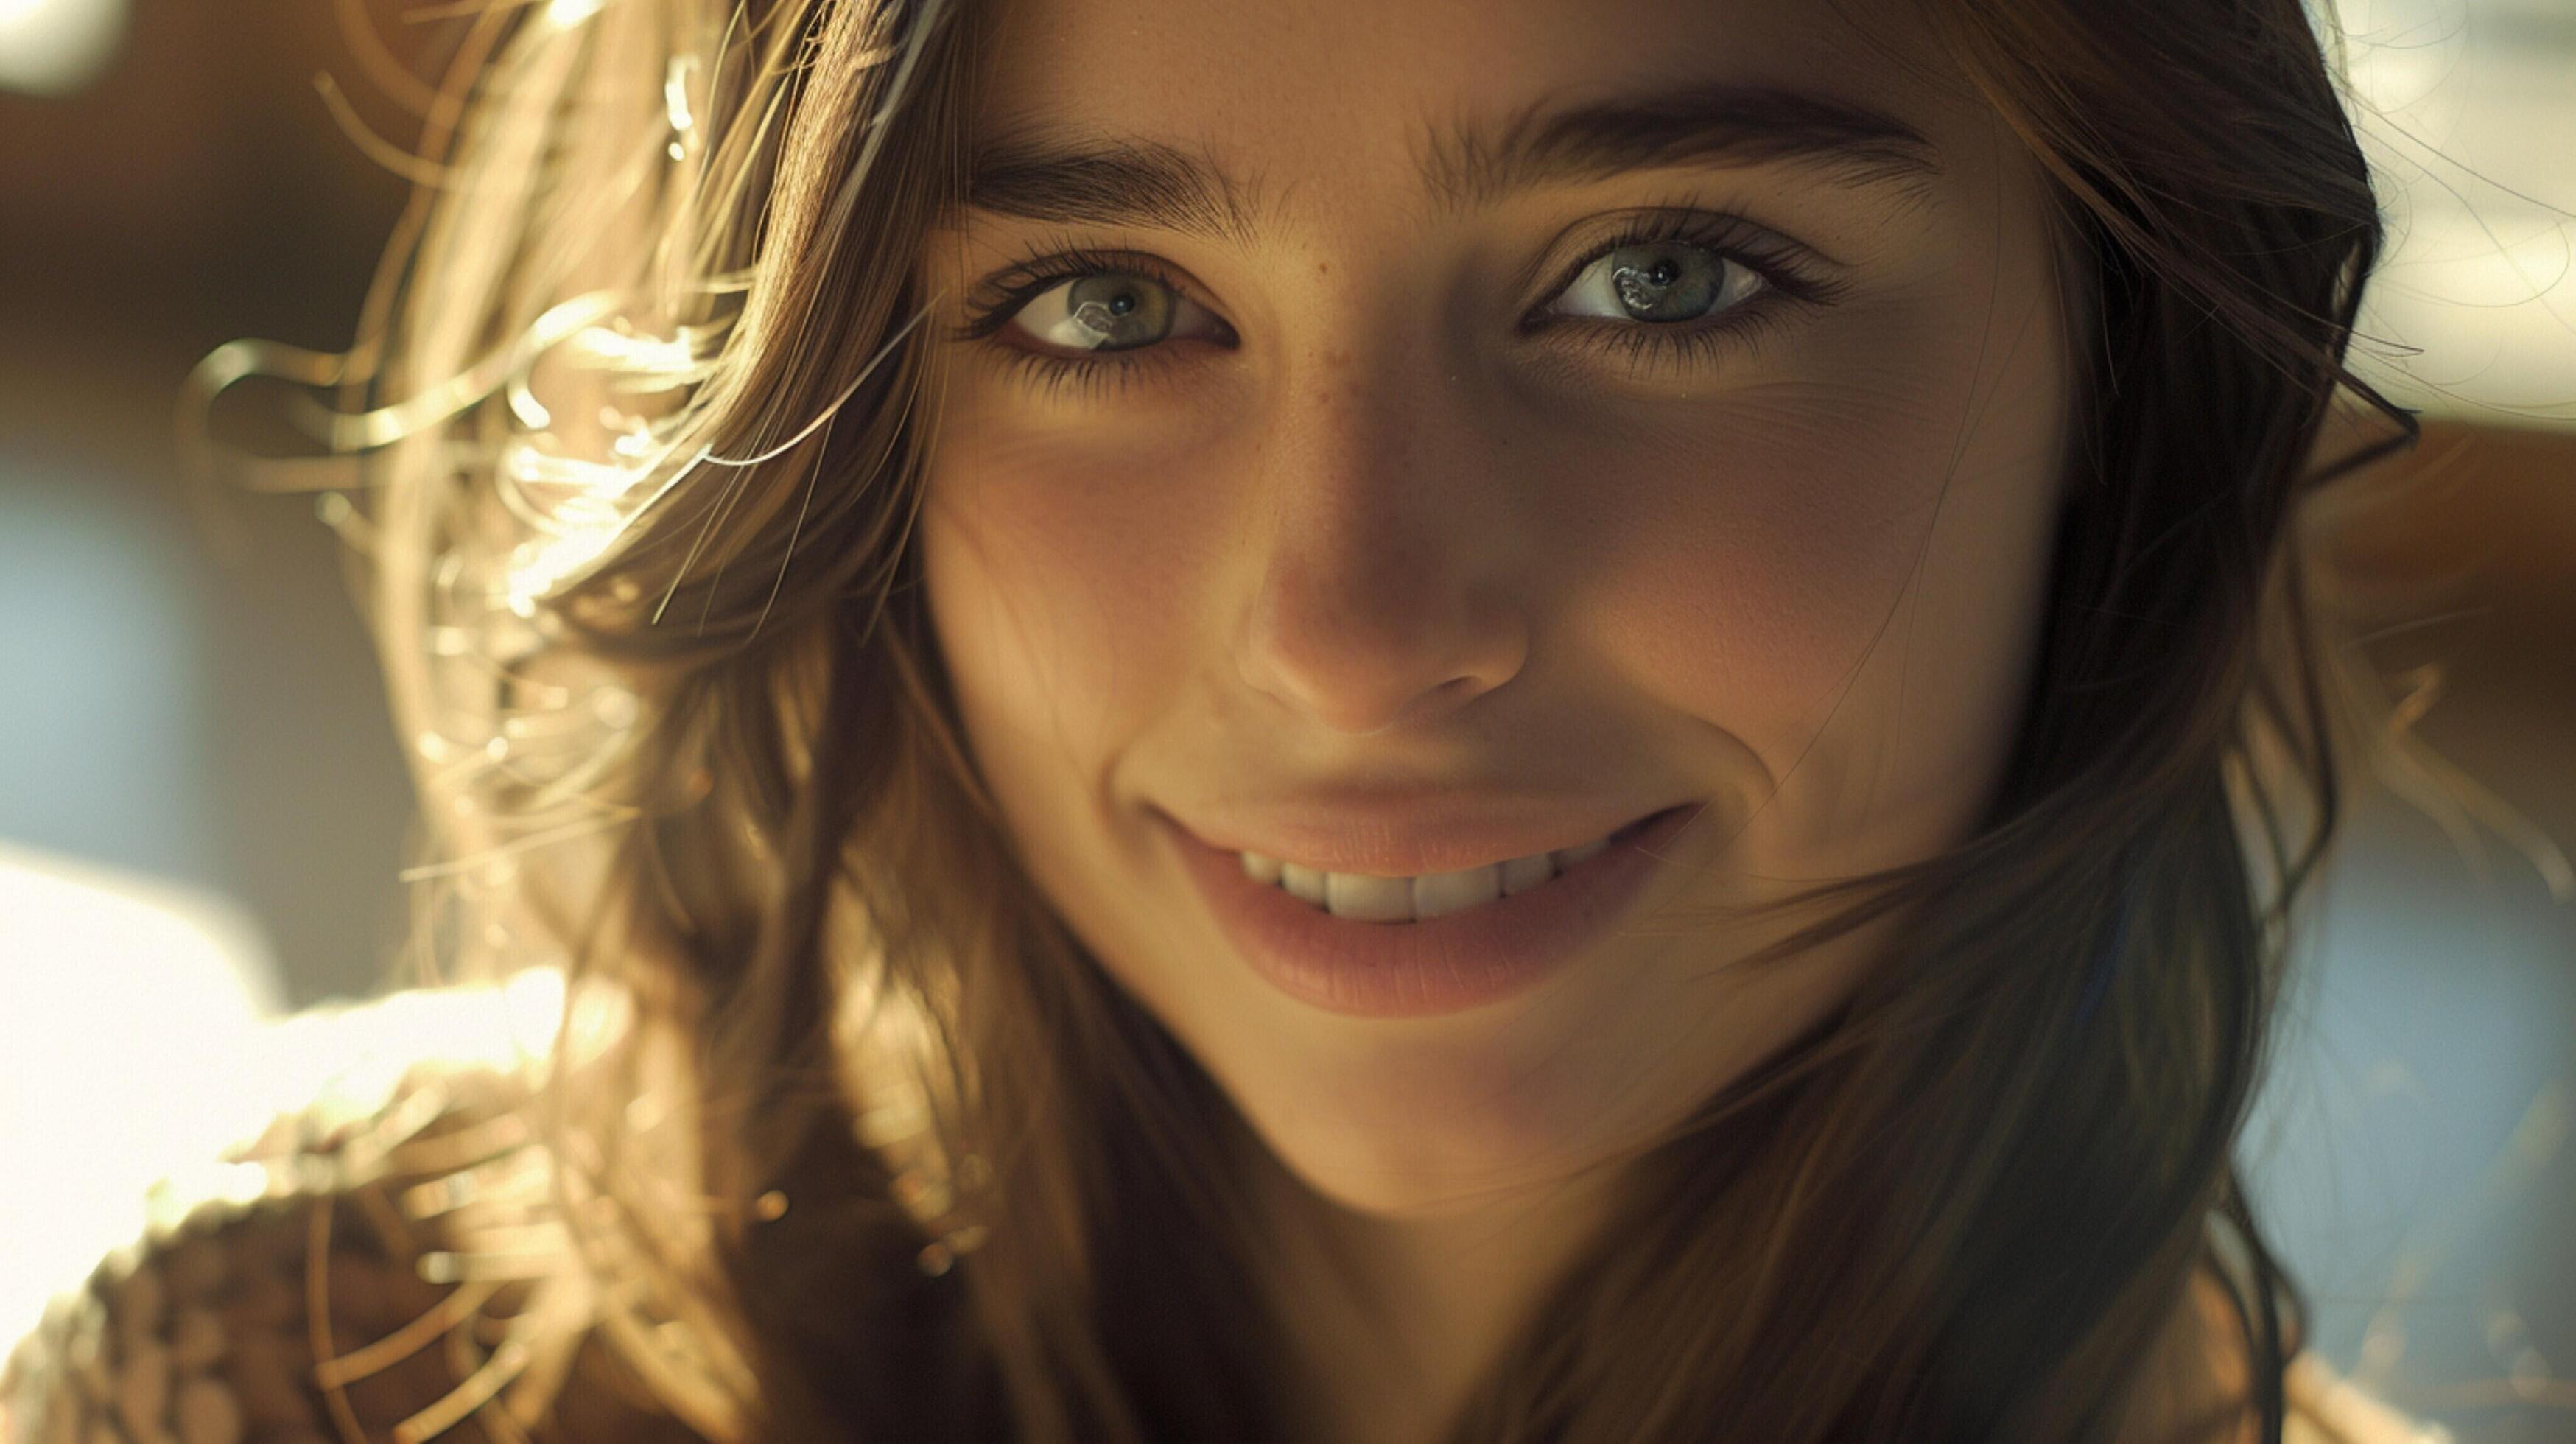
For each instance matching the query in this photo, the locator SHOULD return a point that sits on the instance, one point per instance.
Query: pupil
(1113, 313)
(1663, 288)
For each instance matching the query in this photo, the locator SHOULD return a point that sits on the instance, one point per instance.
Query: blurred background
(203, 810)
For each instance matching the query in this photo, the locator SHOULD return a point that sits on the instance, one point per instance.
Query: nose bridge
(1379, 598)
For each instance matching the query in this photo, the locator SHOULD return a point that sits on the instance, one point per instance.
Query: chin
(1405, 1156)
(1409, 1195)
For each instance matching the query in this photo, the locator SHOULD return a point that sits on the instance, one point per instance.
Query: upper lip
(1405, 834)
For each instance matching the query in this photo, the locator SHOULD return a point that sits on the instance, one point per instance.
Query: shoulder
(2203, 1376)
(369, 1267)
(2325, 1408)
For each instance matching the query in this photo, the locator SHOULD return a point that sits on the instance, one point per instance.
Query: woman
(1387, 721)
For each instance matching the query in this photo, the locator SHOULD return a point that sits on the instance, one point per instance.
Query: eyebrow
(1039, 175)
(1466, 166)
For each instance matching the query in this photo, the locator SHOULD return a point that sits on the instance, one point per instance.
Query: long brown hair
(643, 391)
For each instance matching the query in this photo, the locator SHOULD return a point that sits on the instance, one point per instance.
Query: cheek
(1742, 550)
(1053, 603)
(1751, 552)
(1843, 571)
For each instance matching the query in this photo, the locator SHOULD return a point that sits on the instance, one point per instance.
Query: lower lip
(1442, 965)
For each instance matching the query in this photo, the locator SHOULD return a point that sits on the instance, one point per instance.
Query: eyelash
(1787, 282)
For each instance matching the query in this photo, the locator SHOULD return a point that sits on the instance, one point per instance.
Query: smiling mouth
(1363, 897)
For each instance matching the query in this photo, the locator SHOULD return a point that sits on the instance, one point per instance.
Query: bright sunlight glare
(54, 47)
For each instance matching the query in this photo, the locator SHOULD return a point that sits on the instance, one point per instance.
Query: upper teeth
(1363, 898)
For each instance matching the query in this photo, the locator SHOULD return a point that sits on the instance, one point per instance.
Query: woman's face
(1419, 434)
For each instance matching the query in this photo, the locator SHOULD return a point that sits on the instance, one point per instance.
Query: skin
(1388, 536)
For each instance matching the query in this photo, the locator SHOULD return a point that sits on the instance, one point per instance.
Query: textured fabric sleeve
(317, 1291)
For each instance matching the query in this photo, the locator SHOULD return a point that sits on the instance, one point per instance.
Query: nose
(1385, 594)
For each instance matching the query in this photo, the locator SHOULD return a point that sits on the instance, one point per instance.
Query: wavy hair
(639, 412)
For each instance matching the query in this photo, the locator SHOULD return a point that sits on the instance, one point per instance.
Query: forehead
(1303, 100)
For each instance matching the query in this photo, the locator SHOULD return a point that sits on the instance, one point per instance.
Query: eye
(1661, 282)
(1109, 311)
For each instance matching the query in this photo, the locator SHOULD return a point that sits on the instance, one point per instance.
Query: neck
(1398, 1318)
